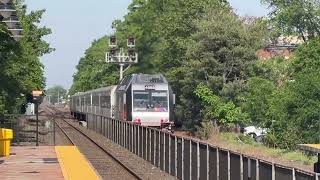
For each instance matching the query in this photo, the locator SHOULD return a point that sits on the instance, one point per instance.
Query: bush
(206, 130)
(246, 139)
(270, 140)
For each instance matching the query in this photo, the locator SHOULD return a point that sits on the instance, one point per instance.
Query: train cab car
(144, 99)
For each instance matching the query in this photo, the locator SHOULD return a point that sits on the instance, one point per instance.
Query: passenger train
(139, 98)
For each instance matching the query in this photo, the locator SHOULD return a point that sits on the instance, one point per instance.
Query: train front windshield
(150, 101)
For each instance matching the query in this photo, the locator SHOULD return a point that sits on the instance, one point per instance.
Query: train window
(82, 101)
(151, 101)
(95, 99)
(105, 102)
(140, 100)
(159, 100)
(88, 100)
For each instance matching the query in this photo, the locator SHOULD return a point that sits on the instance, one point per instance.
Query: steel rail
(64, 132)
(105, 151)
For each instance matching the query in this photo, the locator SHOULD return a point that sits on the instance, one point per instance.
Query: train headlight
(138, 120)
(164, 120)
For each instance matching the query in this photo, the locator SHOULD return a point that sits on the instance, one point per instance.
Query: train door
(121, 112)
(123, 107)
(129, 104)
(119, 106)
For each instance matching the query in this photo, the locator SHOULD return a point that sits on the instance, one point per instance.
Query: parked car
(255, 132)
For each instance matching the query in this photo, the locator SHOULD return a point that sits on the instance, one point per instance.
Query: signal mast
(114, 56)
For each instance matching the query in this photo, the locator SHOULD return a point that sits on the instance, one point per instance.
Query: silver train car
(139, 98)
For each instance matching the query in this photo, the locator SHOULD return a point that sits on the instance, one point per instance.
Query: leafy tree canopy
(221, 54)
(92, 70)
(301, 17)
(20, 68)
(56, 94)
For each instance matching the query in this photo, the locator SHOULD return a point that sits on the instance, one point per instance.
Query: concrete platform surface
(74, 165)
(46, 162)
(31, 163)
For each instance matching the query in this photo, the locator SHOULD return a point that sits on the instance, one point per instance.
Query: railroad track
(63, 134)
(108, 166)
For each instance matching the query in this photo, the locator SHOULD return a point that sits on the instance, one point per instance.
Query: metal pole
(37, 111)
(54, 131)
(121, 71)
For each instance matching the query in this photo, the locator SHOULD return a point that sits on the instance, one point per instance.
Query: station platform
(46, 162)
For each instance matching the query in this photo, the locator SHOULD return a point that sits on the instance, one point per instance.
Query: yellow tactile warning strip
(315, 148)
(74, 165)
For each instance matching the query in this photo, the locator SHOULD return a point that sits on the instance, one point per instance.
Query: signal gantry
(120, 57)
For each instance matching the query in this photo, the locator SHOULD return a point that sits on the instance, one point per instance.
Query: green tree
(56, 94)
(307, 57)
(256, 100)
(278, 70)
(221, 54)
(293, 108)
(141, 22)
(20, 68)
(299, 17)
(92, 70)
(224, 113)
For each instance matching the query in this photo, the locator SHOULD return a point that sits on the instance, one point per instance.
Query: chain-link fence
(24, 129)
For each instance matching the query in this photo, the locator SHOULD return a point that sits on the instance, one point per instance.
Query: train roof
(103, 89)
(141, 79)
(148, 78)
(127, 81)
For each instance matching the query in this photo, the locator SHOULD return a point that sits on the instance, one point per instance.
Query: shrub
(206, 130)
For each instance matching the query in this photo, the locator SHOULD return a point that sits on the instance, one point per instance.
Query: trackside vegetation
(20, 68)
(208, 53)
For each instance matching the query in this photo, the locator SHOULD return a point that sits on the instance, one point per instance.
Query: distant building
(283, 47)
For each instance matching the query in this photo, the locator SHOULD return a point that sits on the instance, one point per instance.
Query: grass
(246, 145)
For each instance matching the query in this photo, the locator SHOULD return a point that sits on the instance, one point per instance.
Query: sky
(75, 24)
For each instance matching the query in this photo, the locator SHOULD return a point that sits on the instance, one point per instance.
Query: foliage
(307, 57)
(225, 113)
(55, 93)
(295, 17)
(221, 53)
(20, 68)
(92, 71)
(291, 110)
(246, 139)
(278, 70)
(206, 130)
(256, 96)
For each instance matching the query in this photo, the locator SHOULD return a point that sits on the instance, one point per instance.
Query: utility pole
(37, 99)
(49, 98)
(37, 119)
(58, 97)
(121, 58)
(54, 131)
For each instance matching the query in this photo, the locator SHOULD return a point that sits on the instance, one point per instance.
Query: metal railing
(187, 158)
(24, 129)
